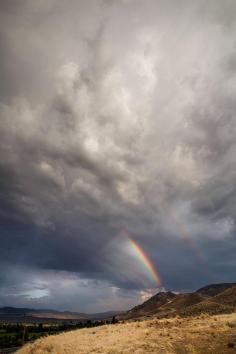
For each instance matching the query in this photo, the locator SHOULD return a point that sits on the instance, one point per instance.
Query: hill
(228, 297)
(150, 306)
(215, 289)
(182, 301)
(166, 304)
(192, 335)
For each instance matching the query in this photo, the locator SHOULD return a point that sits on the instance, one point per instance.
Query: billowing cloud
(118, 116)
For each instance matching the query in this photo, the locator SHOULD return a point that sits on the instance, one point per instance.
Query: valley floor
(193, 335)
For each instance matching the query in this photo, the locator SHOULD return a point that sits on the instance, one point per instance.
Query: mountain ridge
(212, 299)
(214, 289)
(19, 314)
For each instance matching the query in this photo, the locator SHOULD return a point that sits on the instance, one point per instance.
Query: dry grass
(192, 335)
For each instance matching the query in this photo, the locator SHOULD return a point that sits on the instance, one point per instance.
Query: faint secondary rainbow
(145, 260)
(186, 236)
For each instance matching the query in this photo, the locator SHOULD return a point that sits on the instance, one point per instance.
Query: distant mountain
(214, 289)
(14, 314)
(212, 299)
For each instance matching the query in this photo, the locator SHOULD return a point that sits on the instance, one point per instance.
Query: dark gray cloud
(117, 119)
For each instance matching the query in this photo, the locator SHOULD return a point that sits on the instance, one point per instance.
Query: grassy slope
(204, 334)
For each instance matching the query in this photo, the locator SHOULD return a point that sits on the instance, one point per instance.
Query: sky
(117, 150)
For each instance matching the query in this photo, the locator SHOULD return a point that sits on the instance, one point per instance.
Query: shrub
(230, 345)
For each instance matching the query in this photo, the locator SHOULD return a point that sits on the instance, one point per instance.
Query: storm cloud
(117, 120)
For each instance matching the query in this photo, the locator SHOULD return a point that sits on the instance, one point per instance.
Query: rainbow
(145, 260)
(186, 236)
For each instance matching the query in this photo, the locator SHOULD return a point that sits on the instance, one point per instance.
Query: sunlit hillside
(193, 335)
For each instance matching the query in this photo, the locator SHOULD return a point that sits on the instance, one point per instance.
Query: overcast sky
(117, 121)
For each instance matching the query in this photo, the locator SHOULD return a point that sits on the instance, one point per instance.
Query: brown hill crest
(212, 299)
